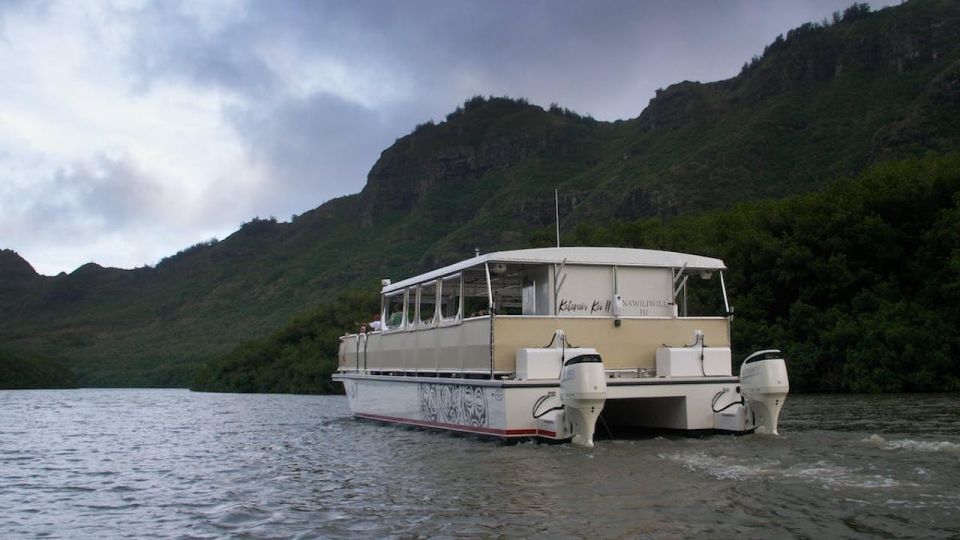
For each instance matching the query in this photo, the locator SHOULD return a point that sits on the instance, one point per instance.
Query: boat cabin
(470, 319)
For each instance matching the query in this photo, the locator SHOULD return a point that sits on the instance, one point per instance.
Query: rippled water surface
(172, 463)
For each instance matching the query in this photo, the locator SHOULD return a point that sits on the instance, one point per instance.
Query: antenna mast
(556, 201)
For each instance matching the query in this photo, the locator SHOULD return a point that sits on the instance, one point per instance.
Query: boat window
(702, 296)
(411, 306)
(450, 298)
(428, 302)
(529, 299)
(393, 310)
(476, 303)
(506, 283)
(537, 292)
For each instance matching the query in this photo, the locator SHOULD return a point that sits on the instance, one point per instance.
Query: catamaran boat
(550, 343)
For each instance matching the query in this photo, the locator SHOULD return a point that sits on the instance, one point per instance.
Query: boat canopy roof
(602, 256)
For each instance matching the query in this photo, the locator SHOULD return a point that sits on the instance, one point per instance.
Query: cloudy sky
(130, 130)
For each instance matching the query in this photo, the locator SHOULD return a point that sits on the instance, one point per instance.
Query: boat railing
(459, 348)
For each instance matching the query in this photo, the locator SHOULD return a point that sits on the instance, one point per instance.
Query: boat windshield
(702, 296)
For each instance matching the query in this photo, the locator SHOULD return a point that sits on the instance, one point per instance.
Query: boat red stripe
(457, 427)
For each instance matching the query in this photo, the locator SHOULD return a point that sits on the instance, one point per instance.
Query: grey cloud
(115, 190)
(601, 58)
(316, 148)
(169, 44)
(105, 210)
(105, 194)
(36, 9)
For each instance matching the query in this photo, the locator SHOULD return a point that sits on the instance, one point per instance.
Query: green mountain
(821, 102)
(858, 282)
(19, 371)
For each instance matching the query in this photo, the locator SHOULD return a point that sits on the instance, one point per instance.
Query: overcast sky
(130, 130)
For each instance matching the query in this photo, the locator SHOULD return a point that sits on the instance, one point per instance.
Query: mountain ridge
(820, 103)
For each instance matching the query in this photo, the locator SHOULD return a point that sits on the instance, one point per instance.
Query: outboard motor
(583, 391)
(764, 383)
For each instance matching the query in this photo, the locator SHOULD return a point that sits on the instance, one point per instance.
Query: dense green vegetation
(858, 283)
(824, 101)
(21, 371)
(297, 359)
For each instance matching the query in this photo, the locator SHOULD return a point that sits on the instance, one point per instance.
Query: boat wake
(913, 445)
(828, 475)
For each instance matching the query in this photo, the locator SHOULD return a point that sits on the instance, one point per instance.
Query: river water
(171, 463)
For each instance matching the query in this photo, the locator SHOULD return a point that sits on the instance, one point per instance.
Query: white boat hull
(471, 406)
(506, 408)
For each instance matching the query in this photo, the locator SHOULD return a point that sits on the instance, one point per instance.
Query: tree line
(24, 371)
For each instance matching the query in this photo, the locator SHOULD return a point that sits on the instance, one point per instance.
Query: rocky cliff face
(474, 142)
(402, 177)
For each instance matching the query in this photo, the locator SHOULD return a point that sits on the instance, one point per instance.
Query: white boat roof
(604, 256)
